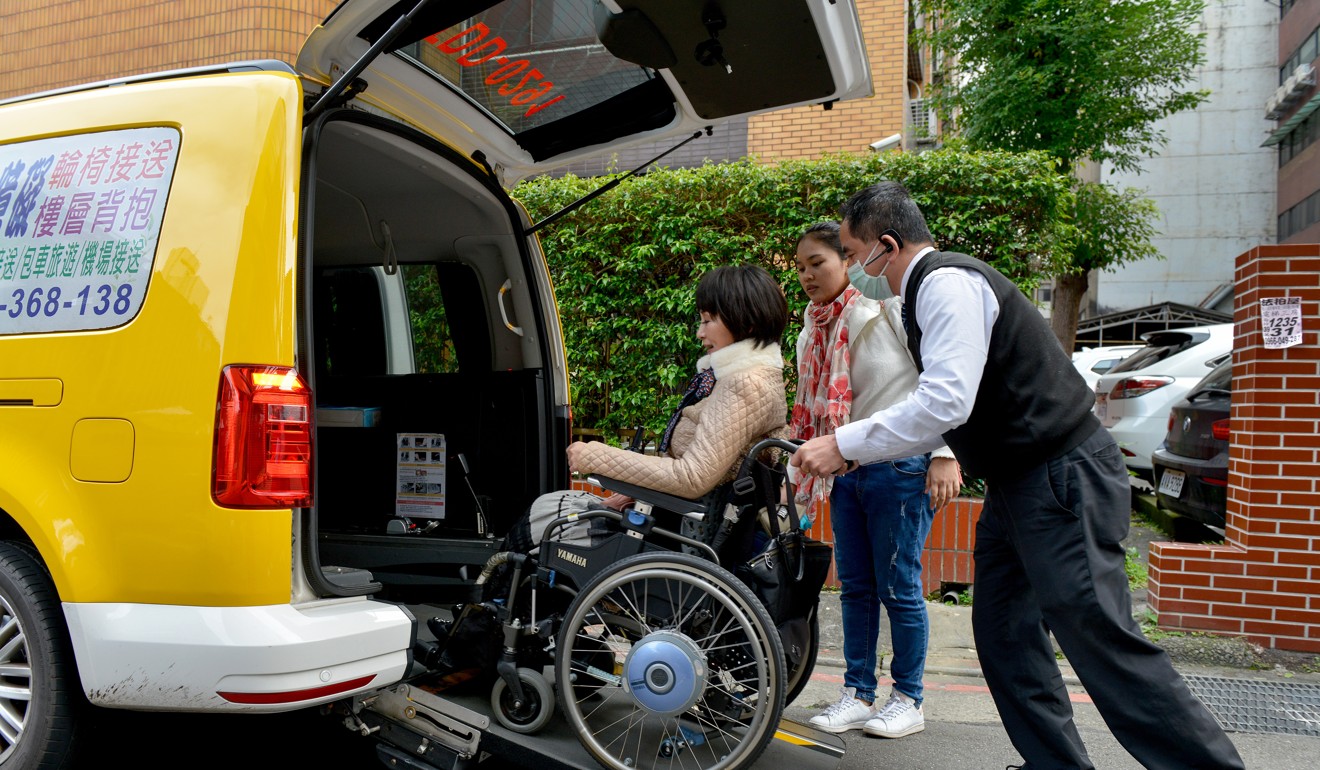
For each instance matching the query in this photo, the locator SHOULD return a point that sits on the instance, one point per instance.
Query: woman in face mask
(852, 359)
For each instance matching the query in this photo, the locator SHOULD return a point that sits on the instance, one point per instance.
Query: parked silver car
(1133, 399)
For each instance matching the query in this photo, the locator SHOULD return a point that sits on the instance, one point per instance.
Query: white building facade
(1214, 183)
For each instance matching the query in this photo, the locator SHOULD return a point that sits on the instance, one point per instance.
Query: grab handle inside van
(508, 284)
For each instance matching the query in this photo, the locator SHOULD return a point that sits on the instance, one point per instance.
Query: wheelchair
(647, 640)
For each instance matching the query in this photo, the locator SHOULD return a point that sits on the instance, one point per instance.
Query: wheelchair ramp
(795, 745)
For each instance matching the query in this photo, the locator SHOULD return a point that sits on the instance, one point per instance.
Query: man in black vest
(997, 387)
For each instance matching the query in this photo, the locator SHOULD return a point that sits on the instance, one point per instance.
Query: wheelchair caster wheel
(534, 711)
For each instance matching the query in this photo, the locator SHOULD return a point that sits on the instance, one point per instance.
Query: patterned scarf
(824, 391)
(698, 388)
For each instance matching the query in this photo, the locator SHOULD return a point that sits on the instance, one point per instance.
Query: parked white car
(1091, 363)
(1133, 399)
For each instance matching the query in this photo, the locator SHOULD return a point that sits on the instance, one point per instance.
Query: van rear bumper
(263, 659)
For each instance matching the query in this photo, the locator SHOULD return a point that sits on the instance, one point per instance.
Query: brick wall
(48, 44)
(947, 557)
(809, 132)
(1264, 582)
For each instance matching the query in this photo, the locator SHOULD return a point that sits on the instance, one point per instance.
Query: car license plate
(1171, 483)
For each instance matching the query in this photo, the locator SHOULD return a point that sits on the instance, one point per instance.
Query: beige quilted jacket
(714, 434)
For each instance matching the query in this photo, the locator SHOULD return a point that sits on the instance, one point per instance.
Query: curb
(973, 672)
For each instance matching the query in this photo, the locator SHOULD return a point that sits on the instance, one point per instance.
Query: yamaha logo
(572, 558)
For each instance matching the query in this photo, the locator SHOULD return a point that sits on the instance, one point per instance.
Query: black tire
(799, 675)
(699, 676)
(39, 727)
(537, 708)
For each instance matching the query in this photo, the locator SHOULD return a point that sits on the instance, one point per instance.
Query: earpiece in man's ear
(892, 233)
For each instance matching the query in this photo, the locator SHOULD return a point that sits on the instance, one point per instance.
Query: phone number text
(53, 301)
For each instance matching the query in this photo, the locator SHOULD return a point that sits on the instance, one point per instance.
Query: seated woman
(736, 399)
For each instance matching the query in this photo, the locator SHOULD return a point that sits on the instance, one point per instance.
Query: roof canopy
(1127, 326)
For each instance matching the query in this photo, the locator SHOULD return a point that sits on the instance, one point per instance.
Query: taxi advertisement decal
(79, 219)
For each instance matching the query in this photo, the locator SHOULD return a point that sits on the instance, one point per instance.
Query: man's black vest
(1032, 405)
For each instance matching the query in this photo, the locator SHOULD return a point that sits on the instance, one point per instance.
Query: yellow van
(279, 356)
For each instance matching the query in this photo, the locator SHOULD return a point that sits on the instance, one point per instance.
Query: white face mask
(871, 286)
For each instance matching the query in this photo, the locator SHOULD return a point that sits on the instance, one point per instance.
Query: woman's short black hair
(747, 301)
(827, 234)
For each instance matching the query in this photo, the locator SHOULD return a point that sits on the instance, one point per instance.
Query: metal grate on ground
(1257, 706)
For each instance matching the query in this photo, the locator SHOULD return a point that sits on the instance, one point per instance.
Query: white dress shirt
(956, 313)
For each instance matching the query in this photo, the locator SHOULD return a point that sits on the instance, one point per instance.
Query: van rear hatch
(536, 84)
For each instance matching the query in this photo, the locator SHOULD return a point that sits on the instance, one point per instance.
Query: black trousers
(1049, 558)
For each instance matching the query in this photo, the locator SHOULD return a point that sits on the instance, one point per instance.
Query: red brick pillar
(1264, 582)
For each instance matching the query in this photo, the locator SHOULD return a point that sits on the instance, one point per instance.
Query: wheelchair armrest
(680, 505)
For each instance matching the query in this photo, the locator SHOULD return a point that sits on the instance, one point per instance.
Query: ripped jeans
(881, 516)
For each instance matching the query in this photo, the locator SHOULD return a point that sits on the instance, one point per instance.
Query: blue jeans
(881, 516)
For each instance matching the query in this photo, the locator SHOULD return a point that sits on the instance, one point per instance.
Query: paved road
(963, 731)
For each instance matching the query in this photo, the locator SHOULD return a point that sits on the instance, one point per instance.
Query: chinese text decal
(1281, 321)
(79, 220)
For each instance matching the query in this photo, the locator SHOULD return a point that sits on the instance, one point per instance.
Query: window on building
(1304, 135)
(1303, 54)
(1299, 217)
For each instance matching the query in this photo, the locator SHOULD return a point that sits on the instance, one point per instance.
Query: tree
(1082, 80)
(625, 266)
(1107, 220)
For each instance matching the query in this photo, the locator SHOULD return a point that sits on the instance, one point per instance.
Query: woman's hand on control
(617, 501)
(943, 481)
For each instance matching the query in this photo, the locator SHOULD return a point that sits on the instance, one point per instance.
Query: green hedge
(625, 265)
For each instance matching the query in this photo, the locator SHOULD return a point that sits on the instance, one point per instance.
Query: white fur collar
(739, 357)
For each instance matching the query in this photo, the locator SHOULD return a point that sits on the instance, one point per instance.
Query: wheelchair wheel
(536, 708)
(698, 675)
(799, 675)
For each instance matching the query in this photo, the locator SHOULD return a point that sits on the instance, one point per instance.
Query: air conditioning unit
(922, 123)
(1273, 106)
(1286, 95)
(1303, 77)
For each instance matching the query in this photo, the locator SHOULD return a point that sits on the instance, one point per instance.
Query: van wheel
(38, 689)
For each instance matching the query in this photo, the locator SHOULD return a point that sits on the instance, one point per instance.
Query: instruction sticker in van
(79, 220)
(421, 476)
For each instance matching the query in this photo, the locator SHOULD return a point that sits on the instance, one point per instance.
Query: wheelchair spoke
(684, 665)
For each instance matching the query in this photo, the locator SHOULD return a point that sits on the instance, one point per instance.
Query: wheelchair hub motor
(665, 672)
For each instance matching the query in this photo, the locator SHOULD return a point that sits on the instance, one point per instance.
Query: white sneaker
(900, 716)
(848, 714)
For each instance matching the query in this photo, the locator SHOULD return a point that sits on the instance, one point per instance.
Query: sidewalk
(1251, 690)
(952, 650)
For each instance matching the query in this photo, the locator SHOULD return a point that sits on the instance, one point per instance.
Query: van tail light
(1219, 429)
(263, 439)
(1215, 482)
(1131, 387)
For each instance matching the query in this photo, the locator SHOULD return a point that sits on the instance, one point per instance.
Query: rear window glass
(80, 216)
(1219, 379)
(426, 319)
(527, 62)
(1162, 346)
(432, 338)
(1105, 364)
